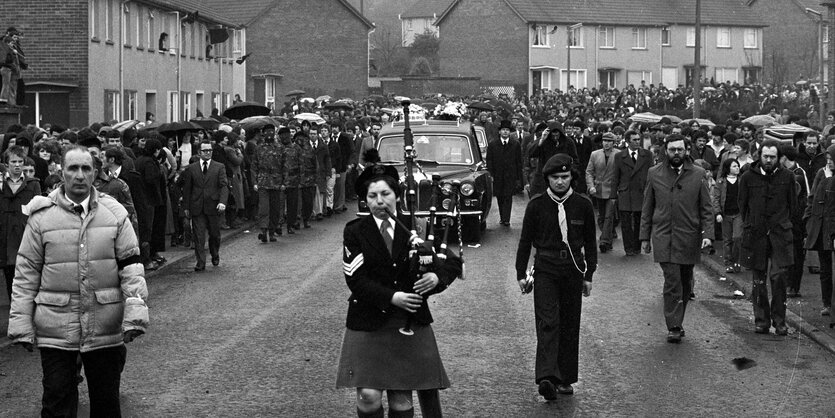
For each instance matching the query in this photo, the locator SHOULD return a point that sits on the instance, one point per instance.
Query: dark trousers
(201, 223)
(605, 220)
(8, 273)
(678, 283)
(146, 228)
(557, 298)
(306, 194)
(825, 258)
(270, 208)
(795, 272)
(103, 369)
(158, 229)
(766, 314)
(630, 226)
(505, 204)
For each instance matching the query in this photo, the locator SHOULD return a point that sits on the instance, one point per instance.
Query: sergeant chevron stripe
(351, 268)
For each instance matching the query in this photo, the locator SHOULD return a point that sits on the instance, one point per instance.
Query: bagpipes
(425, 256)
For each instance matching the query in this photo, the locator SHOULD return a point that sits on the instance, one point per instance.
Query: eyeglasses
(676, 150)
(206, 150)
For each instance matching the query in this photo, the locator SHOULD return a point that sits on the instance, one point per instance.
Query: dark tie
(634, 156)
(78, 209)
(384, 229)
(205, 167)
(677, 170)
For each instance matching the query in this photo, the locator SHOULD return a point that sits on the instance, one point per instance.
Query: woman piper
(376, 356)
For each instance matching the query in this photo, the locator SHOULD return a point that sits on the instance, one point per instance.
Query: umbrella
(311, 117)
(708, 88)
(339, 105)
(701, 122)
(486, 96)
(292, 93)
(784, 133)
(220, 118)
(243, 110)
(801, 82)
(207, 123)
(307, 100)
(760, 120)
(401, 98)
(480, 106)
(387, 110)
(324, 98)
(125, 125)
(151, 127)
(646, 117)
(501, 104)
(176, 128)
(257, 122)
(673, 118)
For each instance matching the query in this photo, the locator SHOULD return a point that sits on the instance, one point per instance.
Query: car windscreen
(443, 149)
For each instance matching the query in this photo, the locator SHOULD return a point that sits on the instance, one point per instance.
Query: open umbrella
(307, 100)
(176, 128)
(784, 133)
(243, 110)
(292, 93)
(501, 104)
(645, 117)
(310, 117)
(673, 118)
(760, 120)
(481, 106)
(257, 122)
(125, 125)
(801, 82)
(207, 123)
(486, 96)
(324, 98)
(701, 122)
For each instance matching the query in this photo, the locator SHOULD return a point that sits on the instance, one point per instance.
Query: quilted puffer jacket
(79, 283)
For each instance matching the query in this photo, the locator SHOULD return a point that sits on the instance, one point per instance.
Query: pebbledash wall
(319, 46)
(55, 43)
(73, 47)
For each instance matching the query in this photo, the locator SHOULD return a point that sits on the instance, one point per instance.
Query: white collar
(207, 162)
(85, 204)
(117, 171)
(19, 179)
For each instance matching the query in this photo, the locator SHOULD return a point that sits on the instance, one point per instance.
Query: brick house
(99, 60)
(790, 42)
(319, 46)
(523, 44)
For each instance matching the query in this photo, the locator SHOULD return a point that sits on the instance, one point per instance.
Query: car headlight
(446, 204)
(467, 189)
(446, 189)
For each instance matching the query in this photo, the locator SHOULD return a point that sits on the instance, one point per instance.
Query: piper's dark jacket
(374, 276)
(767, 204)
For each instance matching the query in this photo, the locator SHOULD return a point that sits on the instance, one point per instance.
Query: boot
(290, 230)
(263, 235)
(278, 231)
(272, 237)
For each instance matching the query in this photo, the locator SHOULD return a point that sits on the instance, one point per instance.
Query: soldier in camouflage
(268, 173)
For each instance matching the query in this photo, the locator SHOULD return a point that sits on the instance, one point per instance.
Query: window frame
(544, 43)
(719, 31)
(572, 39)
(666, 30)
(690, 37)
(94, 17)
(185, 105)
(112, 103)
(173, 108)
(725, 70)
(131, 106)
(108, 20)
(604, 33)
(756, 34)
(636, 37)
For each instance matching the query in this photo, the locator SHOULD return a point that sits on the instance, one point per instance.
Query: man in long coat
(504, 161)
(767, 203)
(630, 179)
(677, 215)
(599, 179)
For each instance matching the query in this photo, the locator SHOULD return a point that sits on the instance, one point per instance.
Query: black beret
(560, 163)
(283, 130)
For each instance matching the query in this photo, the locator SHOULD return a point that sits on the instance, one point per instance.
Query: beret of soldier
(560, 163)
(608, 136)
(283, 130)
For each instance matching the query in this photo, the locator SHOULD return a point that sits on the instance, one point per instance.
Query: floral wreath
(450, 111)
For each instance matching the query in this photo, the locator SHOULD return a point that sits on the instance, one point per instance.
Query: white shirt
(85, 204)
(115, 173)
(390, 228)
(206, 162)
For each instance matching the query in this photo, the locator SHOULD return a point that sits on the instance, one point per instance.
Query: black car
(451, 150)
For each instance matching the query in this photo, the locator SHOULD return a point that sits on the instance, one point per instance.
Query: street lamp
(821, 116)
(570, 36)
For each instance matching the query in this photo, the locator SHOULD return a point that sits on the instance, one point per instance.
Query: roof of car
(429, 125)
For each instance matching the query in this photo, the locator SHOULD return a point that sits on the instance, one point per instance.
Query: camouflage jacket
(309, 164)
(268, 165)
(292, 165)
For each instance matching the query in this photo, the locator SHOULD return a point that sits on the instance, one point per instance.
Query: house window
(269, 92)
(750, 38)
(216, 101)
(140, 28)
(186, 96)
(607, 37)
(723, 37)
(726, 75)
(227, 100)
(540, 36)
(751, 75)
(826, 34)
(691, 36)
(108, 19)
(665, 36)
(130, 105)
(575, 37)
(639, 38)
(578, 80)
(150, 31)
(607, 78)
(126, 33)
(689, 73)
(111, 105)
(173, 106)
(237, 42)
(639, 78)
(94, 17)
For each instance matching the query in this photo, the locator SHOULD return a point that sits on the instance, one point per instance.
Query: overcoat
(374, 275)
(677, 213)
(600, 173)
(12, 219)
(767, 204)
(818, 213)
(630, 179)
(505, 165)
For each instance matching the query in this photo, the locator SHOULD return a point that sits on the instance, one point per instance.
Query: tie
(78, 209)
(677, 170)
(563, 222)
(634, 156)
(384, 230)
(205, 167)
(504, 142)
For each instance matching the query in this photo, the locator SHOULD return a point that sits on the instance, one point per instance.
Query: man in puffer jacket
(79, 287)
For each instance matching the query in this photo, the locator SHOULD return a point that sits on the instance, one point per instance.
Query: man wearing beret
(560, 225)
(677, 214)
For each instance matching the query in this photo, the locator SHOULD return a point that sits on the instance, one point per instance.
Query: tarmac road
(260, 336)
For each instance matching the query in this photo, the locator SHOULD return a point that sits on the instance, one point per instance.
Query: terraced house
(541, 44)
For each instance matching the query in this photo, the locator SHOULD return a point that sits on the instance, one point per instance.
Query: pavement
(173, 255)
(802, 313)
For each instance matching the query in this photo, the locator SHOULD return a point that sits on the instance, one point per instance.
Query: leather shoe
(272, 237)
(761, 330)
(565, 390)
(674, 336)
(263, 237)
(199, 268)
(781, 330)
(215, 261)
(547, 390)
